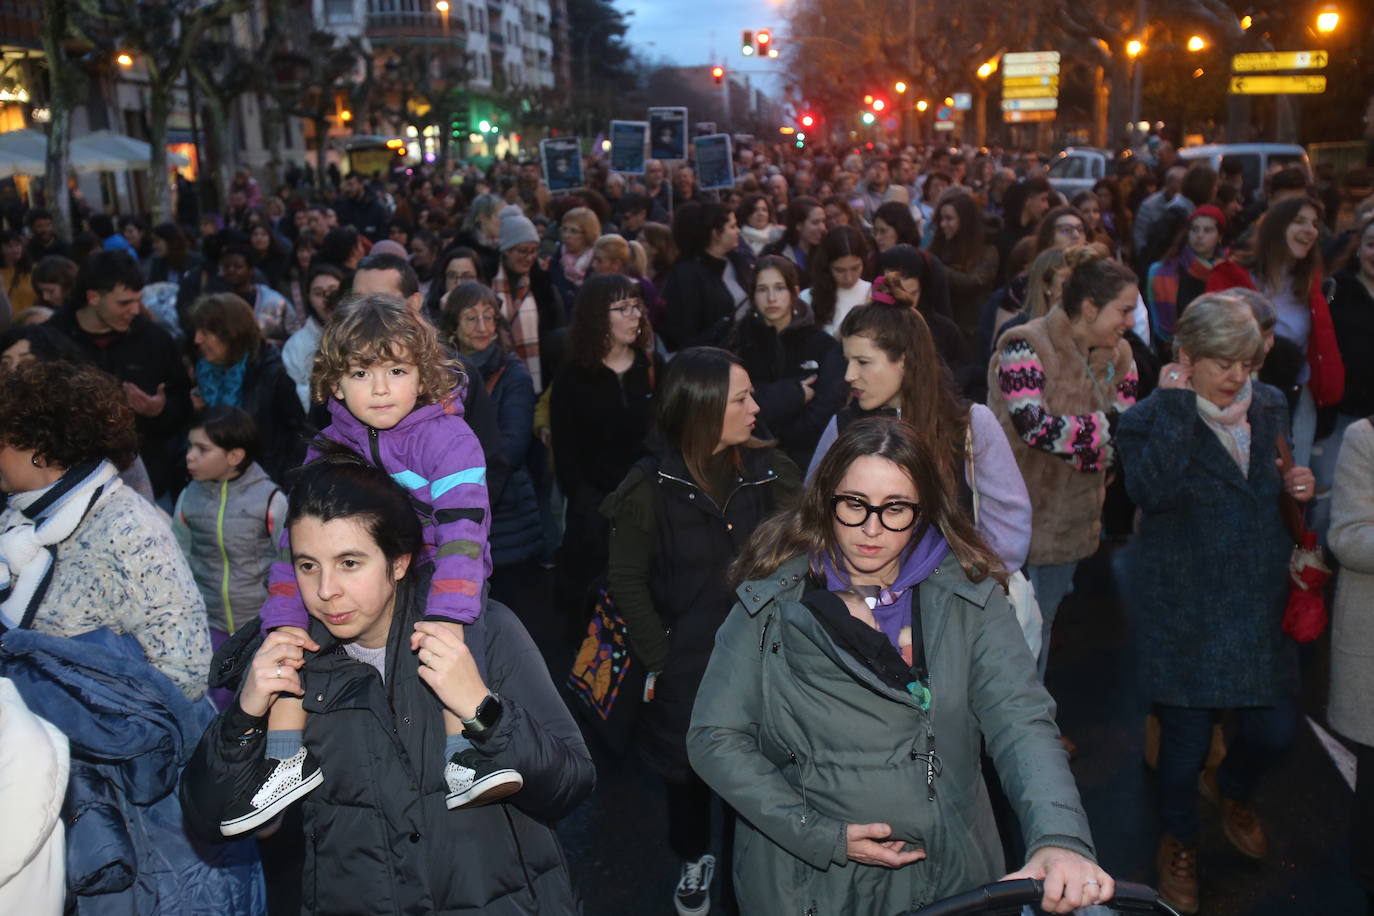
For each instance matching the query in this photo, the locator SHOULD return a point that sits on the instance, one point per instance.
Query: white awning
(24, 152)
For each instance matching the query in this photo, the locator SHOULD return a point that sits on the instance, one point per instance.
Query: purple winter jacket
(433, 453)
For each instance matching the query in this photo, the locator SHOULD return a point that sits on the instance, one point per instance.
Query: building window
(338, 11)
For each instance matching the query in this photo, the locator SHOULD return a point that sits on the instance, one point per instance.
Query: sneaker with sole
(693, 894)
(473, 782)
(276, 784)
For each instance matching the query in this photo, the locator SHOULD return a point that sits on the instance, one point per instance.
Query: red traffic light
(765, 36)
(808, 120)
(879, 104)
(718, 74)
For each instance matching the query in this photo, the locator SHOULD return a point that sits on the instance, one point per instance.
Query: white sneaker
(278, 783)
(470, 787)
(693, 894)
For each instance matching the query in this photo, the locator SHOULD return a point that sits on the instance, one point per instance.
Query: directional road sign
(1030, 57)
(1029, 104)
(1009, 70)
(963, 101)
(1277, 85)
(944, 125)
(1023, 117)
(1030, 92)
(1020, 82)
(1279, 60)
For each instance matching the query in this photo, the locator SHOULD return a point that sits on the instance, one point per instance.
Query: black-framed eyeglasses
(853, 512)
(630, 308)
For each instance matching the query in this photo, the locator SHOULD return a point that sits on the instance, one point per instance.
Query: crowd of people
(827, 449)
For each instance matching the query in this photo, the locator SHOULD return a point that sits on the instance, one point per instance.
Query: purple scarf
(893, 610)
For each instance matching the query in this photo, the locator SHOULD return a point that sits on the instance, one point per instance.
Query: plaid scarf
(522, 314)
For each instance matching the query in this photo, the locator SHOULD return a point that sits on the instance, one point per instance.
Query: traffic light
(460, 121)
(807, 119)
(879, 104)
(764, 37)
(746, 43)
(718, 74)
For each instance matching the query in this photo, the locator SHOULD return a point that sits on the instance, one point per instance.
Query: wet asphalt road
(616, 842)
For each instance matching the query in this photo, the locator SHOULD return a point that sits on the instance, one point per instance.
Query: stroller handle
(1007, 897)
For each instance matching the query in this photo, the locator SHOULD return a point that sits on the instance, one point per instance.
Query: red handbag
(1305, 618)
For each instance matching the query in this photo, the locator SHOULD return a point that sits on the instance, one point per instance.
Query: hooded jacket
(436, 457)
(801, 739)
(378, 837)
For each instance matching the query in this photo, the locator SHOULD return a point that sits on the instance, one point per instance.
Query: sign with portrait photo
(668, 134)
(629, 139)
(561, 158)
(715, 163)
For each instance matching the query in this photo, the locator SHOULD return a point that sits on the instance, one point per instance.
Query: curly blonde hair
(379, 328)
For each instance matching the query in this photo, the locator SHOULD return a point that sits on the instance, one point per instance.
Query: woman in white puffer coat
(33, 783)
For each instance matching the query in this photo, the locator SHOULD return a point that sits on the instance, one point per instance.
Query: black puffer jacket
(777, 361)
(378, 838)
(671, 549)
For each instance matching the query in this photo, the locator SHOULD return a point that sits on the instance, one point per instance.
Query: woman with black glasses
(870, 652)
(599, 414)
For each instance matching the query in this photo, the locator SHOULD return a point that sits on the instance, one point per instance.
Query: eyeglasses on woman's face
(1069, 228)
(628, 308)
(474, 318)
(854, 512)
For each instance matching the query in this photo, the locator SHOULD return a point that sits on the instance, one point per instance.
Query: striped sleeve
(457, 491)
(1083, 440)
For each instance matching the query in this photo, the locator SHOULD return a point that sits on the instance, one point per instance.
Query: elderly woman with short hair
(1201, 458)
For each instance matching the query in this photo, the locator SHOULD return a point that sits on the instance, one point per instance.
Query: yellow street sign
(1278, 60)
(1278, 85)
(1020, 82)
(1030, 92)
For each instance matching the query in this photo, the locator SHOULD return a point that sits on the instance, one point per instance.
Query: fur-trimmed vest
(1066, 503)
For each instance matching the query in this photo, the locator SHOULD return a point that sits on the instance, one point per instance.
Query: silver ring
(1091, 881)
(279, 671)
(1173, 375)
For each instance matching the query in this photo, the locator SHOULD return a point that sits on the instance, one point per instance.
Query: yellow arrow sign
(1020, 82)
(1279, 60)
(1278, 85)
(1030, 92)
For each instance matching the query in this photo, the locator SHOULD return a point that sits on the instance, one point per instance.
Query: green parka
(802, 740)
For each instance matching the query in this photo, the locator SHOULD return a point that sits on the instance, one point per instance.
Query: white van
(1255, 158)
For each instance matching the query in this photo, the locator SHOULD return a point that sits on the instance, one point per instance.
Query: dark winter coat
(378, 837)
(269, 394)
(671, 547)
(516, 531)
(777, 361)
(1208, 627)
(1352, 312)
(147, 356)
(700, 309)
(599, 422)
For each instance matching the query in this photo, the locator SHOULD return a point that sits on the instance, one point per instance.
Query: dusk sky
(702, 31)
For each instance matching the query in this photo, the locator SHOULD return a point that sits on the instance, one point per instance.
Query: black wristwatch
(488, 714)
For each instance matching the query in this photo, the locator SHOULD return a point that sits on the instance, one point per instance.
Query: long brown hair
(928, 401)
(1270, 258)
(808, 526)
(691, 409)
(963, 250)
